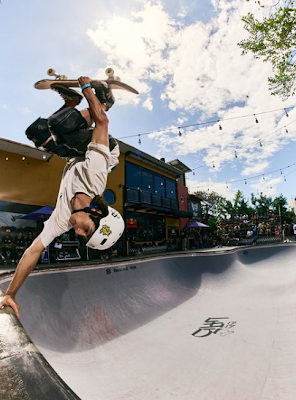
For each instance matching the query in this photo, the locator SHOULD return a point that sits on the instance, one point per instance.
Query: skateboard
(113, 82)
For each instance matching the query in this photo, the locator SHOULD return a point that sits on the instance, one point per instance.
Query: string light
(256, 120)
(255, 142)
(206, 123)
(213, 165)
(287, 115)
(235, 154)
(220, 127)
(260, 144)
(139, 142)
(180, 133)
(255, 176)
(287, 130)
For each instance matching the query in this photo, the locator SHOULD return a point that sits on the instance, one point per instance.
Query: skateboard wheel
(109, 72)
(51, 72)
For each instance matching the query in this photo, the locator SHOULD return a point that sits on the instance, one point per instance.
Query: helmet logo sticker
(105, 230)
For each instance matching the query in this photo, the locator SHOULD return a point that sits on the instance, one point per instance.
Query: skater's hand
(10, 301)
(83, 80)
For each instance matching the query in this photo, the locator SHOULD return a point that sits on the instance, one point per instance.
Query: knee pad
(114, 152)
(112, 142)
(38, 132)
(64, 122)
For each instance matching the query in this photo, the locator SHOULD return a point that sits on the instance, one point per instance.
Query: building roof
(23, 149)
(175, 167)
(150, 160)
(179, 165)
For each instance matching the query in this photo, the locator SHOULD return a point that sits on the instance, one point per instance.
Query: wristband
(85, 86)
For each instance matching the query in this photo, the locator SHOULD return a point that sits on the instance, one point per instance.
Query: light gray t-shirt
(81, 175)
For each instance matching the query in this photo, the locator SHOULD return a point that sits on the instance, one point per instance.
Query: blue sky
(183, 58)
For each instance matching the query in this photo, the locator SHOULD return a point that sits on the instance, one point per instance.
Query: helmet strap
(89, 210)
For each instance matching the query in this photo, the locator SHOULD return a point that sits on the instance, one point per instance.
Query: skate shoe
(103, 93)
(66, 93)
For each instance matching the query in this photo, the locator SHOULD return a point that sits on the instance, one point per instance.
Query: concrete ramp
(197, 326)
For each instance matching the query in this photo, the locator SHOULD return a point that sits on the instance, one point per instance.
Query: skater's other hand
(83, 80)
(11, 302)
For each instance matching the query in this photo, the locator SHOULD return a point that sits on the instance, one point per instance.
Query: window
(133, 176)
(109, 196)
(147, 181)
(159, 187)
(141, 178)
(170, 189)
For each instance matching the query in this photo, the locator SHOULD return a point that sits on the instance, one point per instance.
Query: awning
(42, 214)
(196, 224)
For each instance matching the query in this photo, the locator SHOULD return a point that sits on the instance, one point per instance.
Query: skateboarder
(68, 131)
(79, 205)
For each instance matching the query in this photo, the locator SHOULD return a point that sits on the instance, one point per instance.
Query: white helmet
(108, 232)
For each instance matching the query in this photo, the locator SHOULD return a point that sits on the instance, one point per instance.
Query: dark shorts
(69, 128)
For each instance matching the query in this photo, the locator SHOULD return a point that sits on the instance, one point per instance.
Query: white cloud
(255, 169)
(266, 185)
(226, 190)
(148, 104)
(200, 72)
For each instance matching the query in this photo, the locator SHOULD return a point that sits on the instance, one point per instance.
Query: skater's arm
(25, 266)
(100, 132)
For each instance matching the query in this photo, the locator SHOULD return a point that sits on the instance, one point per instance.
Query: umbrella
(196, 224)
(42, 214)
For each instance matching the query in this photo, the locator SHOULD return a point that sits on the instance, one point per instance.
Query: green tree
(280, 205)
(262, 204)
(273, 39)
(215, 203)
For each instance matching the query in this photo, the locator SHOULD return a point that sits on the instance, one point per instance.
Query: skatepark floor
(200, 325)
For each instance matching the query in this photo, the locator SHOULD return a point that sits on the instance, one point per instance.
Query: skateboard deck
(112, 81)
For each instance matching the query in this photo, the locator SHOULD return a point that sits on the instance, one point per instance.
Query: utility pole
(280, 215)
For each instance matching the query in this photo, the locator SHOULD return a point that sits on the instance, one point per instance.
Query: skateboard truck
(110, 73)
(52, 72)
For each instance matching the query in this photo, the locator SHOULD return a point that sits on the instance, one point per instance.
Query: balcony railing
(138, 197)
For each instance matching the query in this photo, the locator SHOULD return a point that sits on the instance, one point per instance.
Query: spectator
(7, 247)
(184, 238)
(255, 235)
(285, 231)
(19, 243)
(58, 247)
(29, 239)
(219, 236)
(249, 233)
(294, 231)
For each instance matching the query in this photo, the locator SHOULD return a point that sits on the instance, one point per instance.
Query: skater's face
(82, 224)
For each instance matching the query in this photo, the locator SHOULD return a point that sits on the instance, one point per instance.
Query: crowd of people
(239, 229)
(12, 248)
